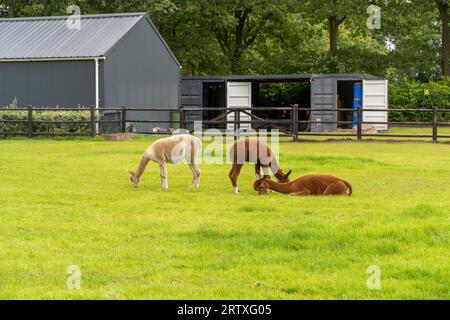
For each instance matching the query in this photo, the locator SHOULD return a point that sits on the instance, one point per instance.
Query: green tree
(334, 13)
(237, 24)
(29, 8)
(286, 36)
(443, 8)
(409, 30)
(12, 8)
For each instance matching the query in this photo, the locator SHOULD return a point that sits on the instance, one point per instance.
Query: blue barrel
(357, 101)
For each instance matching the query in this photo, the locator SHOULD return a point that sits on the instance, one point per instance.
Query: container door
(239, 95)
(323, 96)
(192, 96)
(375, 96)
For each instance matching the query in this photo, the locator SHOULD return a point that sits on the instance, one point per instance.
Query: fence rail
(294, 121)
(289, 126)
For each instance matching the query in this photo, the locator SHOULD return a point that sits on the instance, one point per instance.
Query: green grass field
(69, 202)
(443, 132)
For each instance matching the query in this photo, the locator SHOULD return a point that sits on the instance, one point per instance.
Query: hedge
(411, 94)
(14, 128)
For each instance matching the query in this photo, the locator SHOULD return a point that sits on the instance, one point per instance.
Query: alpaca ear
(131, 173)
(288, 173)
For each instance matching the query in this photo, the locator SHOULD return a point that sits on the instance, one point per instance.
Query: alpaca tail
(349, 186)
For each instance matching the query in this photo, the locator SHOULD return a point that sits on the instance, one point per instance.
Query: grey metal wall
(140, 72)
(192, 96)
(48, 83)
(323, 96)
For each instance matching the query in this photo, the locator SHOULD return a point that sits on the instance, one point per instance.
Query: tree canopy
(410, 39)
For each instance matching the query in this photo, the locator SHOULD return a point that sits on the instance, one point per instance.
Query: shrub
(408, 94)
(17, 121)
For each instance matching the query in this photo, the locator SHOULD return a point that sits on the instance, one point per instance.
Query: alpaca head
(261, 186)
(134, 178)
(283, 178)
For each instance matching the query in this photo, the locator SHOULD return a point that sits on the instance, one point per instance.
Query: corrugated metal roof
(49, 37)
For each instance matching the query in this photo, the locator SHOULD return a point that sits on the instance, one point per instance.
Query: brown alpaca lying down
(313, 184)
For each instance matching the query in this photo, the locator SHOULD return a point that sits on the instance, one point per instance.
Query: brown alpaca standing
(259, 153)
(307, 185)
(174, 149)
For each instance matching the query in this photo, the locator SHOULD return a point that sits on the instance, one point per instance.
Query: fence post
(294, 115)
(93, 126)
(435, 124)
(359, 124)
(123, 118)
(30, 122)
(236, 124)
(225, 120)
(182, 118)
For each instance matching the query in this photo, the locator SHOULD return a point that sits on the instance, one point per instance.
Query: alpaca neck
(280, 187)
(142, 166)
(276, 169)
(279, 175)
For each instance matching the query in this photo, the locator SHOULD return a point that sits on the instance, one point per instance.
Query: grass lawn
(70, 202)
(443, 132)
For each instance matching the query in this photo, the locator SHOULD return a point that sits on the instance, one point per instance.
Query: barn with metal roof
(109, 60)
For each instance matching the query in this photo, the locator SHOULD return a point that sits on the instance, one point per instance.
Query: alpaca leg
(266, 171)
(191, 166)
(196, 175)
(303, 192)
(234, 174)
(266, 174)
(195, 168)
(336, 188)
(163, 174)
(257, 172)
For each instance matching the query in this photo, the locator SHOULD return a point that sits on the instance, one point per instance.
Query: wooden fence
(288, 127)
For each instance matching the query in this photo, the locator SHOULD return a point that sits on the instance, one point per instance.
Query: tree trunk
(333, 28)
(445, 54)
(235, 63)
(333, 25)
(241, 16)
(10, 9)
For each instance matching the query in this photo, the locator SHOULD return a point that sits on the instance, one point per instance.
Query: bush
(409, 94)
(21, 126)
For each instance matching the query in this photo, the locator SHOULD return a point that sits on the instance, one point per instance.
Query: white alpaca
(174, 149)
